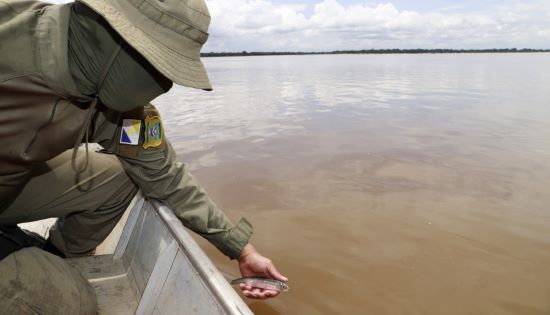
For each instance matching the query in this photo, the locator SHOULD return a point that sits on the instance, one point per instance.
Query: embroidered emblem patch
(130, 131)
(153, 132)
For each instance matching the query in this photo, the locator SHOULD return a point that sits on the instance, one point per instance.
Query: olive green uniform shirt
(42, 112)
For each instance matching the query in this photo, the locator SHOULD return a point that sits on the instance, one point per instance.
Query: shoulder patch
(131, 129)
(153, 133)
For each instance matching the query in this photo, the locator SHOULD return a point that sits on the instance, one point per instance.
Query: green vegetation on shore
(375, 51)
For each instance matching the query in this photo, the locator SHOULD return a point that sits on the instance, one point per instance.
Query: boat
(150, 264)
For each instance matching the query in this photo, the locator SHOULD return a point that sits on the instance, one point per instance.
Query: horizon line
(374, 51)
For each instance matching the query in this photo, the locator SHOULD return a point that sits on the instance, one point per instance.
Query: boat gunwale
(224, 294)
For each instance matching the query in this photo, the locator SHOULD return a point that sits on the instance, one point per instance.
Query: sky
(325, 25)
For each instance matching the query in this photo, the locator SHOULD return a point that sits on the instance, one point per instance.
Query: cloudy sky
(320, 25)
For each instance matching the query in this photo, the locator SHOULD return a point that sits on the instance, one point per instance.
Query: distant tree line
(374, 51)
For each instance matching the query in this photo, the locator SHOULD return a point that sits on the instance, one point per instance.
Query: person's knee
(106, 167)
(106, 179)
(112, 174)
(33, 281)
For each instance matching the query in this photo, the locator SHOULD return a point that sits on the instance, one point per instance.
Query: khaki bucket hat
(168, 33)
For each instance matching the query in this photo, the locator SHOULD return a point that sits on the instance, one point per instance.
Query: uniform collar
(52, 41)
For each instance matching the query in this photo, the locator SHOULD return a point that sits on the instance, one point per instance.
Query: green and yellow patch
(153, 132)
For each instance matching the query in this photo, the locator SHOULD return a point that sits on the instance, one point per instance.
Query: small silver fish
(263, 283)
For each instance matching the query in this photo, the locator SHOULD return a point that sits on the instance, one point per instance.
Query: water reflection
(412, 184)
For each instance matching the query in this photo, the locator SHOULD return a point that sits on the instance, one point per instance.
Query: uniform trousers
(88, 205)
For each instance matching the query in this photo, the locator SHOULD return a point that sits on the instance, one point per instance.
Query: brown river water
(381, 184)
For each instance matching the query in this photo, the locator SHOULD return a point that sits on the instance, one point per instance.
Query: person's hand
(251, 263)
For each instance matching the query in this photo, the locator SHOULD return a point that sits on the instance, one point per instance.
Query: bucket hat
(168, 33)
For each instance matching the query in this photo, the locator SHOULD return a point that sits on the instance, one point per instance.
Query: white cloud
(544, 34)
(262, 25)
(254, 17)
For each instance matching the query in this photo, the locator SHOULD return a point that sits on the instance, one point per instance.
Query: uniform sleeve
(153, 166)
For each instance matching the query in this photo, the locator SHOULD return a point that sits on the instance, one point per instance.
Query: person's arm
(160, 176)
(154, 168)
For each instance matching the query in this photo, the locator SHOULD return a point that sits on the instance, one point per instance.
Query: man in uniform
(82, 73)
